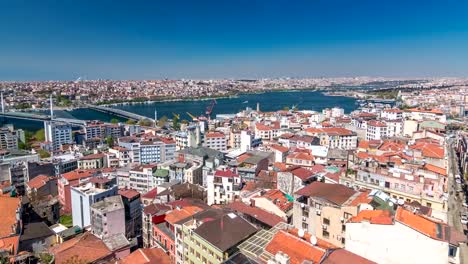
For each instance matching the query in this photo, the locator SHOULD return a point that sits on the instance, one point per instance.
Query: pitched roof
(259, 214)
(277, 198)
(38, 181)
(223, 229)
(343, 256)
(438, 170)
(421, 224)
(334, 193)
(151, 194)
(128, 193)
(181, 213)
(78, 174)
(147, 256)
(8, 207)
(215, 135)
(297, 249)
(429, 150)
(226, 173)
(379, 217)
(86, 247)
(301, 156)
(93, 156)
(10, 244)
(301, 173)
(280, 148)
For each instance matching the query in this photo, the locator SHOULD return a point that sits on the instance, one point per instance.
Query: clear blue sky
(44, 40)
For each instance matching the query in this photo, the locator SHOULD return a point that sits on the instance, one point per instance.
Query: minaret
(258, 107)
(155, 118)
(51, 108)
(3, 105)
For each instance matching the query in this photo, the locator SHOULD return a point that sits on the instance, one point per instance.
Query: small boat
(245, 102)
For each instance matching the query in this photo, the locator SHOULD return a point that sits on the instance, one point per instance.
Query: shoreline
(189, 99)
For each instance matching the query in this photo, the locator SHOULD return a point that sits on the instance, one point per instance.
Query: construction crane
(176, 115)
(209, 109)
(192, 116)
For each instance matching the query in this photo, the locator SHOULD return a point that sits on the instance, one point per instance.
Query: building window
(325, 234)
(428, 204)
(326, 221)
(452, 251)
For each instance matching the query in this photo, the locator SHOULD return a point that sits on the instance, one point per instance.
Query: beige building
(322, 209)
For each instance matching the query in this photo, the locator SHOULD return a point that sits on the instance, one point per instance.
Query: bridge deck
(119, 112)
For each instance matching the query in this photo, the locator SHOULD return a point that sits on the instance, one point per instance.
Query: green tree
(175, 123)
(109, 141)
(130, 122)
(162, 121)
(40, 135)
(286, 108)
(145, 122)
(114, 121)
(184, 121)
(43, 154)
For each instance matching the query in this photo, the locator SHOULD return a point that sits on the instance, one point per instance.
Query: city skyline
(245, 39)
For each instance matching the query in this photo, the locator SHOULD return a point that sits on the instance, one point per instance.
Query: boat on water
(245, 102)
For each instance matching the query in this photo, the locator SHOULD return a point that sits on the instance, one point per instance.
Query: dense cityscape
(233, 132)
(288, 186)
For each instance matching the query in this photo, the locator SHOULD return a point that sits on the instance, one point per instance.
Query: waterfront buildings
(57, 134)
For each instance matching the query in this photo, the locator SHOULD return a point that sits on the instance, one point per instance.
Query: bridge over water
(119, 112)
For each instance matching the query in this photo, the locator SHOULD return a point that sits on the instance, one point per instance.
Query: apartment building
(376, 130)
(108, 217)
(93, 161)
(223, 186)
(267, 130)
(57, 134)
(321, 209)
(334, 137)
(148, 150)
(211, 236)
(86, 194)
(144, 178)
(215, 140)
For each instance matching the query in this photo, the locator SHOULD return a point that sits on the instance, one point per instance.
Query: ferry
(245, 102)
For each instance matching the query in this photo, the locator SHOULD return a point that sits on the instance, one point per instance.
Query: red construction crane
(209, 109)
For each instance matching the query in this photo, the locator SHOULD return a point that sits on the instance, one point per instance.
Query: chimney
(252, 202)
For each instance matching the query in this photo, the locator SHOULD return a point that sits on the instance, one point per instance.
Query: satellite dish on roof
(390, 204)
(301, 232)
(313, 240)
(401, 202)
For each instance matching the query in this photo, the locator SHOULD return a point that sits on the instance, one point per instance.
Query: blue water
(270, 101)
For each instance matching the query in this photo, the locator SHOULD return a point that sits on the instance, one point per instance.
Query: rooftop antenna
(51, 108)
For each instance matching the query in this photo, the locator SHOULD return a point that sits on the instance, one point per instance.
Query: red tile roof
(376, 123)
(297, 249)
(178, 214)
(343, 256)
(421, 224)
(262, 215)
(335, 193)
(301, 173)
(78, 174)
(8, 207)
(226, 173)
(10, 244)
(151, 194)
(279, 148)
(38, 181)
(378, 217)
(430, 150)
(86, 247)
(301, 156)
(278, 198)
(215, 135)
(438, 170)
(128, 193)
(147, 256)
(93, 156)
